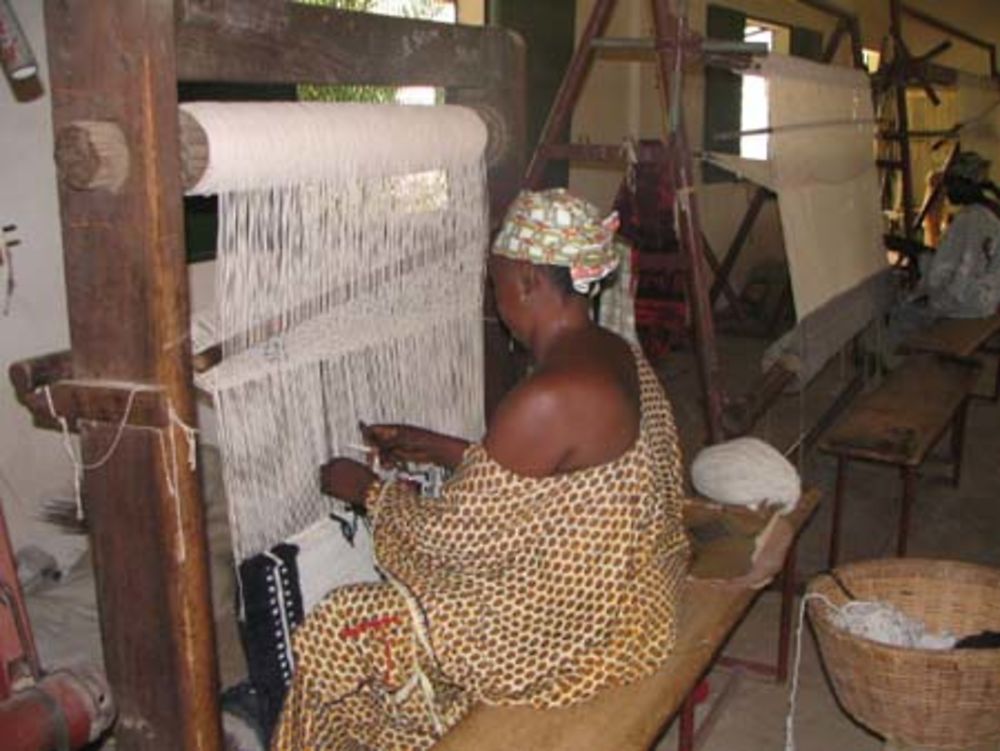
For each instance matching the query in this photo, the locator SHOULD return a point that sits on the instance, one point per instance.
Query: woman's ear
(528, 280)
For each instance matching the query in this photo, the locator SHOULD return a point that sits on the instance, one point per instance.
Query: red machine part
(64, 710)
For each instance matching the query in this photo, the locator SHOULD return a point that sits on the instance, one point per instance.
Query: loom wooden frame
(118, 62)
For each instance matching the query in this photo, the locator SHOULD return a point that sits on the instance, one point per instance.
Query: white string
(874, 620)
(793, 693)
(171, 467)
(79, 467)
(418, 630)
(421, 640)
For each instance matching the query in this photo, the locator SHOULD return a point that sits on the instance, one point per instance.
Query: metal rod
(722, 701)
(724, 47)
(709, 46)
(734, 135)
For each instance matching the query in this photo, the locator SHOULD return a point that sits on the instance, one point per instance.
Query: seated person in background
(551, 565)
(961, 279)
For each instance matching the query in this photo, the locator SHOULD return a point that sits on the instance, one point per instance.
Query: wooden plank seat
(959, 337)
(632, 717)
(898, 424)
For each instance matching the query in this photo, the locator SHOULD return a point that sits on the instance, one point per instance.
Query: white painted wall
(33, 466)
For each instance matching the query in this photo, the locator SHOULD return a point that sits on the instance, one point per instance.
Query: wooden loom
(115, 67)
(837, 322)
(114, 70)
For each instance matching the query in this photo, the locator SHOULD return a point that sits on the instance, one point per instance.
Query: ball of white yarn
(746, 472)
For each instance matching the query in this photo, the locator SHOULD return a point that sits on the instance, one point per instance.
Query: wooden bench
(959, 337)
(633, 717)
(898, 424)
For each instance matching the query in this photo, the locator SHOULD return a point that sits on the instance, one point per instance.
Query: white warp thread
(171, 466)
(349, 279)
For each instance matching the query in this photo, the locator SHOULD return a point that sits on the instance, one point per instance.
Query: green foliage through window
(353, 93)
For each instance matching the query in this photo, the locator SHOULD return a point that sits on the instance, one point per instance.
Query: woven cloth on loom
(349, 282)
(821, 163)
(280, 586)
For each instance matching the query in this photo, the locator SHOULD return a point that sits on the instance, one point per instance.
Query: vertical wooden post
(126, 286)
(902, 119)
(837, 512)
(670, 60)
(909, 477)
(785, 622)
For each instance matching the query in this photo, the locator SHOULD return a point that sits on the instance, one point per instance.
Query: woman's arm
(398, 444)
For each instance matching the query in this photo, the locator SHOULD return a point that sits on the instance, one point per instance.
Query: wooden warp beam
(92, 155)
(196, 151)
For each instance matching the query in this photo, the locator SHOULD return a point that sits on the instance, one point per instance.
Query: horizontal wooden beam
(135, 405)
(326, 46)
(46, 387)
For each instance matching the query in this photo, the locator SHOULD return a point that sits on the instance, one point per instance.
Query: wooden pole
(113, 62)
(902, 120)
(671, 61)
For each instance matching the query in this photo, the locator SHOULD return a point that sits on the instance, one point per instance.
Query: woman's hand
(347, 480)
(401, 444)
(397, 444)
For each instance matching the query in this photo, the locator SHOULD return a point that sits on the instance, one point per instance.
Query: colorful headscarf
(555, 228)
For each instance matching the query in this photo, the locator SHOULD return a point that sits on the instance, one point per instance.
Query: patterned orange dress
(506, 590)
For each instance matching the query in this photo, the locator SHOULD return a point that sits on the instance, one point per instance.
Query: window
(871, 59)
(754, 113)
(736, 103)
(442, 11)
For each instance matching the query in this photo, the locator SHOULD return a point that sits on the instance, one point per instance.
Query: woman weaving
(550, 566)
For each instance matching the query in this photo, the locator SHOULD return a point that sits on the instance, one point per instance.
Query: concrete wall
(33, 466)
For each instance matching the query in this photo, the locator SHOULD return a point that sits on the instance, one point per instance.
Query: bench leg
(996, 385)
(787, 611)
(685, 736)
(958, 442)
(838, 497)
(909, 475)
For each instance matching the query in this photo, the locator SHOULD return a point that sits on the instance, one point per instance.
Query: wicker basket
(935, 699)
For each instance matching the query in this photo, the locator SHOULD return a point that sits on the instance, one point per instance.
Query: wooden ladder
(672, 44)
